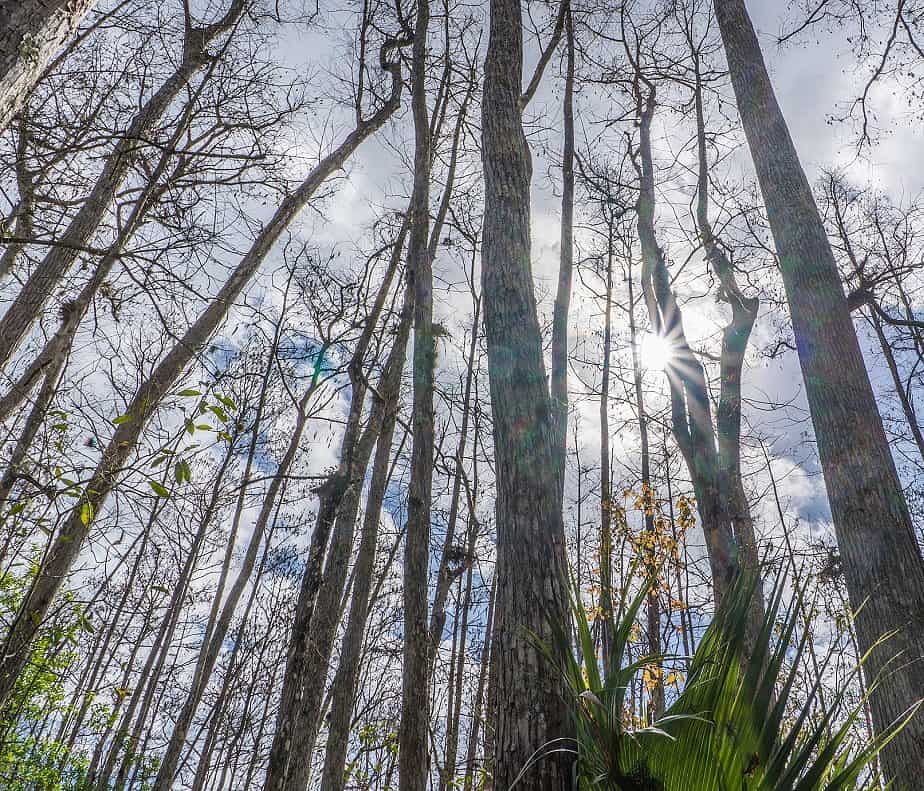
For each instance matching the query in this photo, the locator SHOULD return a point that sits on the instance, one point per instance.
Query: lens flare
(656, 352)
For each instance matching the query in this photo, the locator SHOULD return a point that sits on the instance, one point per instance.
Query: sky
(815, 78)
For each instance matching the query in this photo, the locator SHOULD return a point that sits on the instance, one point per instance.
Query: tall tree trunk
(903, 397)
(606, 493)
(31, 32)
(347, 676)
(654, 603)
(735, 338)
(882, 562)
(691, 414)
(66, 546)
(471, 752)
(529, 710)
(313, 631)
(558, 386)
(444, 575)
(413, 752)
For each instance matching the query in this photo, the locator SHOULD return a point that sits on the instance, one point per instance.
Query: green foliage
(29, 762)
(726, 730)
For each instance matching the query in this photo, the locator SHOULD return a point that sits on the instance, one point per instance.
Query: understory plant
(734, 726)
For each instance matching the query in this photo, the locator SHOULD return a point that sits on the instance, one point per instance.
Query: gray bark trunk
(529, 710)
(558, 386)
(413, 755)
(31, 32)
(880, 555)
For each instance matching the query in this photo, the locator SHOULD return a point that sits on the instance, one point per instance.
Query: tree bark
(347, 676)
(653, 605)
(691, 414)
(529, 709)
(312, 635)
(882, 562)
(31, 32)
(607, 615)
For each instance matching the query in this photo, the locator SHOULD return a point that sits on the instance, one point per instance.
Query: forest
(438, 395)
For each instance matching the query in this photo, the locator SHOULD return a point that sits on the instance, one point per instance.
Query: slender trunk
(347, 676)
(122, 742)
(67, 544)
(735, 338)
(881, 558)
(529, 710)
(558, 386)
(683, 590)
(446, 770)
(213, 726)
(606, 494)
(455, 686)
(444, 575)
(907, 407)
(691, 418)
(317, 609)
(654, 602)
(472, 748)
(413, 755)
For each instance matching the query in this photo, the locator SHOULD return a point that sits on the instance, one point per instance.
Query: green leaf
(219, 413)
(227, 402)
(159, 489)
(86, 513)
(122, 419)
(189, 393)
(181, 471)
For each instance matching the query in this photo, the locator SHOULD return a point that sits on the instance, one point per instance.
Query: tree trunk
(558, 387)
(691, 414)
(735, 338)
(607, 615)
(312, 637)
(472, 747)
(882, 562)
(67, 545)
(413, 753)
(529, 710)
(31, 32)
(347, 676)
(654, 603)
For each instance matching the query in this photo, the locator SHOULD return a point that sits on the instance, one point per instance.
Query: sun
(656, 351)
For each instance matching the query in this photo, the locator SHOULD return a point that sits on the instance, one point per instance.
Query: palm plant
(729, 729)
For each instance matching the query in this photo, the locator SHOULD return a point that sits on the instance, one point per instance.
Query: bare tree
(881, 559)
